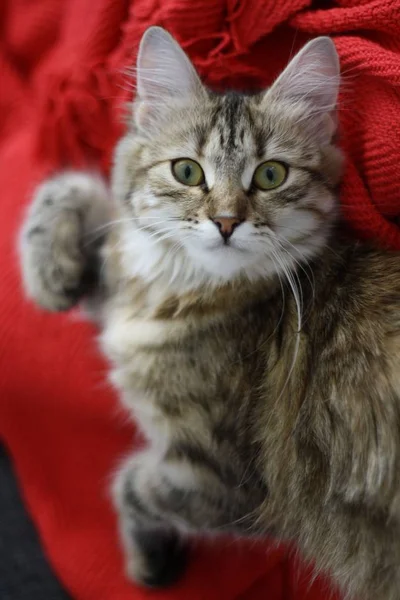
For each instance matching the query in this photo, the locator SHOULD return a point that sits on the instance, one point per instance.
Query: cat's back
(337, 417)
(357, 296)
(351, 409)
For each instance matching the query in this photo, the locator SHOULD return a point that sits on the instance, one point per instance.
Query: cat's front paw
(58, 255)
(54, 264)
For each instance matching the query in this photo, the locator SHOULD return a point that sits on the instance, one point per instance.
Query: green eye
(188, 172)
(269, 175)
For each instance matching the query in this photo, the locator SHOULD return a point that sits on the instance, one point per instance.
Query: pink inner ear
(163, 69)
(311, 82)
(312, 75)
(165, 78)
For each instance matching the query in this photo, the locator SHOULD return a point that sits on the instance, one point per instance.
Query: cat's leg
(159, 502)
(154, 550)
(60, 239)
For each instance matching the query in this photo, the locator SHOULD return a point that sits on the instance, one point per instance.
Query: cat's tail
(61, 237)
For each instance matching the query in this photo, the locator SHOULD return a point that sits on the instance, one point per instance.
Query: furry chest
(126, 333)
(176, 381)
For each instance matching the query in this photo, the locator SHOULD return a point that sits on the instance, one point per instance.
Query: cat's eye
(188, 172)
(269, 175)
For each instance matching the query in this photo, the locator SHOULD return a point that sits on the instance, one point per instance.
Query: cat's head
(215, 187)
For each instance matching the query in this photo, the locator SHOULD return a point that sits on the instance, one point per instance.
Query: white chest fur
(133, 344)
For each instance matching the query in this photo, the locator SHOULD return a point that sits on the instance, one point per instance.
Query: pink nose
(226, 225)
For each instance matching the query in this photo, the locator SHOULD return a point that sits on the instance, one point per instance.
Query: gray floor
(24, 571)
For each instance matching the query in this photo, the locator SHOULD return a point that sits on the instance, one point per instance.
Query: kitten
(257, 346)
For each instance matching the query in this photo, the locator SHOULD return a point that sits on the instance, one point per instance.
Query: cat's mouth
(227, 244)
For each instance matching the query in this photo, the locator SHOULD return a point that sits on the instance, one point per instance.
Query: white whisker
(296, 297)
(92, 234)
(282, 240)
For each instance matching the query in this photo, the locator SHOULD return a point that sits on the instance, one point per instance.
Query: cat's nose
(226, 225)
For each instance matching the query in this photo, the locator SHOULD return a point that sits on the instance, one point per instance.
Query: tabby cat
(253, 341)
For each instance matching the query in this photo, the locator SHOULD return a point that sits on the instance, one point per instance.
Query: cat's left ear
(312, 78)
(165, 77)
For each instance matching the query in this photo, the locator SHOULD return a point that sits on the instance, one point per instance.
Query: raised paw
(58, 255)
(55, 264)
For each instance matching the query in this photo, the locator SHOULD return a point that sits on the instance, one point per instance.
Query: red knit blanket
(63, 88)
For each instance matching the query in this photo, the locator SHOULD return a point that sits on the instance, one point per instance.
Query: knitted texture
(64, 89)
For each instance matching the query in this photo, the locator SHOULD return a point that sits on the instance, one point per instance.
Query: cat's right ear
(165, 77)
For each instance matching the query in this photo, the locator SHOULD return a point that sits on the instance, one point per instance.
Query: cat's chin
(226, 262)
(219, 245)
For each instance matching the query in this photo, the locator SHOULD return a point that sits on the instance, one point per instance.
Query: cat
(255, 343)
